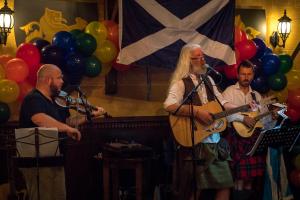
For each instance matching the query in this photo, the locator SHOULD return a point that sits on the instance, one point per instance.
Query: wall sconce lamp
(6, 22)
(284, 29)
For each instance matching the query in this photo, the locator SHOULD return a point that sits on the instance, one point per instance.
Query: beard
(198, 69)
(245, 83)
(54, 90)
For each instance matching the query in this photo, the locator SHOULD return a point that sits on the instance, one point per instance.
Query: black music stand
(37, 137)
(285, 137)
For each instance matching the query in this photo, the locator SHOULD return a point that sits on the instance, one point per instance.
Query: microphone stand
(194, 160)
(83, 98)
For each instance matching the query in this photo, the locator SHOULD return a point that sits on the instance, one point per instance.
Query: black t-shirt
(35, 102)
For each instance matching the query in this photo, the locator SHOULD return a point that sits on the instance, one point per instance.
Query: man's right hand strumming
(204, 117)
(249, 121)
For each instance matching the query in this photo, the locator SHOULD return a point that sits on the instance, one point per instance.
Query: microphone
(209, 68)
(78, 89)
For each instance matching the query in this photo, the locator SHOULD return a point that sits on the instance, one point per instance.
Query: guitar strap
(253, 96)
(209, 86)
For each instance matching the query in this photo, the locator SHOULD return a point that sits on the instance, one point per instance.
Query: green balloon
(75, 32)
(4, 112)
(277, 81)
(92, 66)
(286, 63)
(86, 44)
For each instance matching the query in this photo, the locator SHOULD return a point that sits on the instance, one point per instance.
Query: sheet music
(48, 141)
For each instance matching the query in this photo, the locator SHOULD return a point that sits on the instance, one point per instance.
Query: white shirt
(176, 93)
(236, 96)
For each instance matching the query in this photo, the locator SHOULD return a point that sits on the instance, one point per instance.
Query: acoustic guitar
(245, 131)
(181, 125)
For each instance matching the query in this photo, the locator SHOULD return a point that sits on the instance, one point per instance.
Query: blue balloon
(74, 68)
(270, 64)
(268, 51)
(260, 84)
(64, 40)
(260, 47)
(40, 43)
(52, 54)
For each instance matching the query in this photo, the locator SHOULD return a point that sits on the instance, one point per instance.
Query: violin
(81, 105)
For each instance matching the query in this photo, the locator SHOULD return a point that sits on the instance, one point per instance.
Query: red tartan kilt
(244, 167)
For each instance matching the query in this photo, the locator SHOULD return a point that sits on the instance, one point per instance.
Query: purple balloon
(271, 64)
(260, 47)
(260, 84)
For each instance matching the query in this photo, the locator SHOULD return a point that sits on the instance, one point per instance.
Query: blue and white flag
(152, 32)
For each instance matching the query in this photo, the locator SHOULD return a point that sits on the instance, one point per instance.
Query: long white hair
(183, 66)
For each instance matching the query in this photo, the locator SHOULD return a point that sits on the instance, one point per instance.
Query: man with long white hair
(215, 173)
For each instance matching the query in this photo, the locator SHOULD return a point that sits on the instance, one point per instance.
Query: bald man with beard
(39, 109)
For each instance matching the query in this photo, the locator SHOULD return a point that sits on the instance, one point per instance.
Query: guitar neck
(231, 111)
(258, 117)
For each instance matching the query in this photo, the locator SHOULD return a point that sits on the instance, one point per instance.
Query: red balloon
(120, 67)
(246, 49)
(25, 88)
(29, 53)
(4, 59)
(16, 70)
(294, 98)
(295, 178)
(239, 35)
(32, 77)
(231, 71)
(112, 31)
(293, 114)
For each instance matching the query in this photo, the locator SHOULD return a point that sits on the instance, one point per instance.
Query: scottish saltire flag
(152, 32)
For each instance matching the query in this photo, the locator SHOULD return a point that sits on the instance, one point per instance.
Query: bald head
(46, 71)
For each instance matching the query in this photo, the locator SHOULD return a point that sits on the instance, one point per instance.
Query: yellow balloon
(2, 72)
(293, 79)
(107, 52)
(9, 91)
(106, 67)
(98, 30)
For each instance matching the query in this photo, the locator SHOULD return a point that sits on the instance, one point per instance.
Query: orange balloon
(4, 59)
(2, 72)
(25, 88)
(9, 91)
(17, 70)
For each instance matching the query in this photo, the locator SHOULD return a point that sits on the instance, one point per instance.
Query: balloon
(106, 67)
(294, 98)
(4, 112)
(231, 71)
(270, 63)
(286, 63)
(297, 162)
(9, 91)
(268, 51)
(92, 66)
(246, 49)
(120, 67)
(295, 178)
(32, 77)
(293, 78)
(25, 88)
(86, 44)
(52, 54)
(112, 32)
(107, 52)
(260, 47)
(239, 35)
(17, 70)
(64, 40)
(260, 84)
(29, 53)
(98, 30)
(75, 33)
(74, 68)
(40, 43)
(277, 82)
(4, 59)
(2, 72)
(293, 114)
